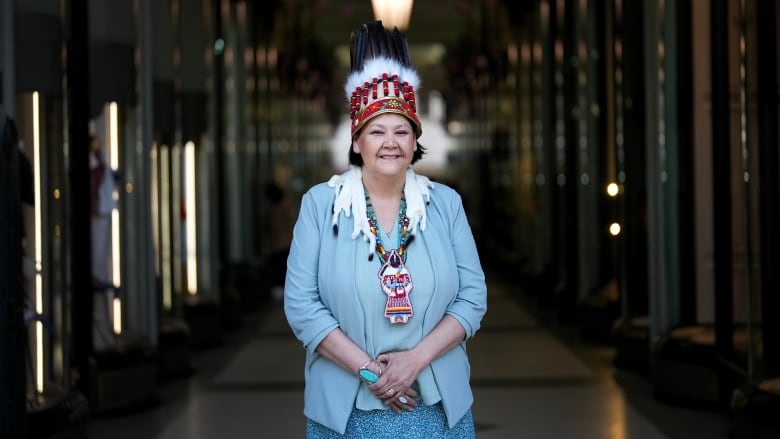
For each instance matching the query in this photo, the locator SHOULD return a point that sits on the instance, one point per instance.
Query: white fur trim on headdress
(350, 199)
(374, 68)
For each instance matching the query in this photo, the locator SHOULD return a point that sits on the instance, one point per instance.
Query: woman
(384, 319)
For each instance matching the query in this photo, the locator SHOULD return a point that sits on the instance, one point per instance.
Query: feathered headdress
(382, 79)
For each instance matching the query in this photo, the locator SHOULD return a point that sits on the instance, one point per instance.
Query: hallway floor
(528, 383)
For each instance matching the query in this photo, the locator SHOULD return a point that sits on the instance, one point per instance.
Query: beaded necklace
(403, 234)
(394, 278)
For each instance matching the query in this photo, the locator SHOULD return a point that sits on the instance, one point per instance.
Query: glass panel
(46, 249)
(749, 135)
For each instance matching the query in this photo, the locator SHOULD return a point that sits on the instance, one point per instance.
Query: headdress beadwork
(382, 79)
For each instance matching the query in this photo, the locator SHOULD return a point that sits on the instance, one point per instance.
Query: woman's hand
(406, 400)
(399, 371)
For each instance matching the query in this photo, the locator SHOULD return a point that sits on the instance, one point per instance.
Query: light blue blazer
(316, 300)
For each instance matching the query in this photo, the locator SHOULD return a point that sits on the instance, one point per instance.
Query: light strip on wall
(114, 163)
(113, 126)
(113, 145)
(190, 219)
(165, 226)
(38, 241)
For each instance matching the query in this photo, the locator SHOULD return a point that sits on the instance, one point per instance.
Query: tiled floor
(527, 384)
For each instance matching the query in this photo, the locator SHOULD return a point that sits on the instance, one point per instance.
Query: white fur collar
(350, 199)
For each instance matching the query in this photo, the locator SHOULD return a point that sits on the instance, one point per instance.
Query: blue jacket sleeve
(470, 304)
(306, 313)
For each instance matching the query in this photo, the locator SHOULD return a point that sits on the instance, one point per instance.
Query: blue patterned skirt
(424, 422)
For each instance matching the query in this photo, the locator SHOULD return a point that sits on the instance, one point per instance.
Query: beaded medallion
(394, 278)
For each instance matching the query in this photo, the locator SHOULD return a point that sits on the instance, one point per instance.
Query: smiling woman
(375, 340)
(386, 148)
(387, 141)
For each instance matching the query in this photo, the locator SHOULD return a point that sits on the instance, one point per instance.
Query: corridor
(531, 379)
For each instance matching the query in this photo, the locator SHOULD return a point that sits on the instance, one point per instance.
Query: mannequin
(101, 205)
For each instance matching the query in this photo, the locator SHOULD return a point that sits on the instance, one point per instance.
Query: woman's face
(387, 144)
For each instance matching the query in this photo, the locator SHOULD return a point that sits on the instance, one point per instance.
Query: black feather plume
(373, 40)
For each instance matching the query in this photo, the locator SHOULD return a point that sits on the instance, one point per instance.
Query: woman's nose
(391, 141)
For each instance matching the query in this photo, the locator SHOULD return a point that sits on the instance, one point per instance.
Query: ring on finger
(391, 392)
(403, 399)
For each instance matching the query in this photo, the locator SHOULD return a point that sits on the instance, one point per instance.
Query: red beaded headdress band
(382, 78)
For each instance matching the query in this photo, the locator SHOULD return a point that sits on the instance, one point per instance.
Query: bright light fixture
(116, 266)
(613, 189)
(37, 163)
(393, 13)
(190, 219)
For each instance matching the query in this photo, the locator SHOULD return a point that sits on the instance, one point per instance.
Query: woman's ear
(355, 147)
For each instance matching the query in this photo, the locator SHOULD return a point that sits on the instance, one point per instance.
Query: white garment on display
(105, 194)
(101, 248)
(101, 223)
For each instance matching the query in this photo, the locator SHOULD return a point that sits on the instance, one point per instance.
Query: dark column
(12, 332)
(78, 134)
(634, 200)
(721, 181)
(548, 93)
(568, 218)
(685, 164)
(766, 28)
(598, 76)
(219, 129)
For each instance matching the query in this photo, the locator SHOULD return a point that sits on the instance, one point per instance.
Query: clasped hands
(394, 387)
